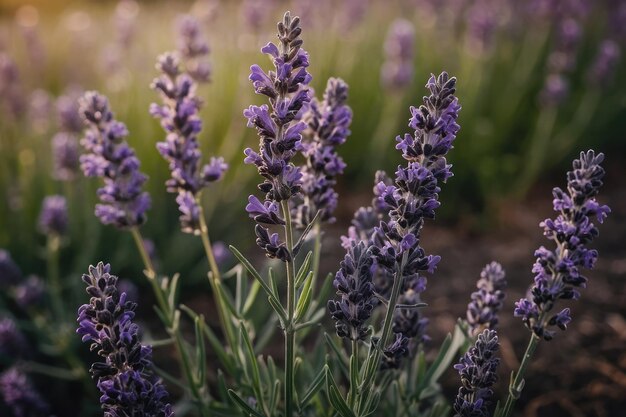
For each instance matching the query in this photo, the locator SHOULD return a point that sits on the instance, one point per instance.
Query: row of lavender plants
(532, 92)
(375, 361)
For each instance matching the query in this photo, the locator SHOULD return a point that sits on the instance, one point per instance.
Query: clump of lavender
(20, 395)
(10, 273)
(397, 70)
(53, 218)
(414, 196)
(280, 133)
(328, 124)
(193, 49)
(12, 101)
(557, 272)
(110, 157)
(355, 289)
(483, 310)
(180, 119)
(125, 376)
(65, 149)
(478, 374)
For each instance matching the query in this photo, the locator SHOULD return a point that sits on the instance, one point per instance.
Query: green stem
(170, 323)
(52, 245)
(515, 389)
(215, 281)
(353, 388)
(317, 253)
(289, 327)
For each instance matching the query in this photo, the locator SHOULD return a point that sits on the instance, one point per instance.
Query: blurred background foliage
(531, 84)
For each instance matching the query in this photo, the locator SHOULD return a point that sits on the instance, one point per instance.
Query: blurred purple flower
(605, 63)
(29, 292)
(193, 49)
(10, 273)
(20, 395)
(66, 154)
(12, 342)
(53, 219)
(397, 70)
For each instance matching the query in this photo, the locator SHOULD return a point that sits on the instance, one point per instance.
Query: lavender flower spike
(557, 272)
(482, 311)
(280, 133)
(53, 218)
(180, 119)
(125, 376)
(328, 122)
(478, 374)
(355, 289)
(193, 49)
(110, 157)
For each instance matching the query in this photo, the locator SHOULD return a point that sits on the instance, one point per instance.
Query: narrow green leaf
(273, 283)
(304, 270)
(278, 308)
(305, 298)
(227, 301)
(240, 290)
(251, 298)
(216, 343)
(172, 292)
(222, 388)
(410, 306)
(354, 373)
(335, 397)
(275, 395)
(256, 377)
(251, 270)
(243, 405)
(314, 388)
(339, 354)
(304, 234)
(200, 350)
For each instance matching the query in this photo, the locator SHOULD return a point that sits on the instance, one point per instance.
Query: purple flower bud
(193, 49)
(53, 218)
(125, 378)
(478, 374)
(395, 352)
(557, 273)
(20, 395)
(482, 311)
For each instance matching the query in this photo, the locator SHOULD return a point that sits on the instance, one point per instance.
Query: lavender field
(312, 208)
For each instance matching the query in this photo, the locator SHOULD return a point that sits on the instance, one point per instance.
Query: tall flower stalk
(179, 115)
(409, 201)
(558, 272)
(280, 136)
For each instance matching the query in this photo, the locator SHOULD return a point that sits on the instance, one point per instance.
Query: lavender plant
(125, 377)
(483, 310)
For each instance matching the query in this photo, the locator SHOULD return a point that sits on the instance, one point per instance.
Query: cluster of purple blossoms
(180, 119)
(279, 131)
(478, 374)
(12, 102)
(557, 272)
(397, 70)
(29, 292)
(561, 61)
(414, 196)
(605, 62)
(20, 396)
(125, 377)
(53, 218)
(193, 49)
(355, 289)
(482, 311)
(328, 124)
(109, 156)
